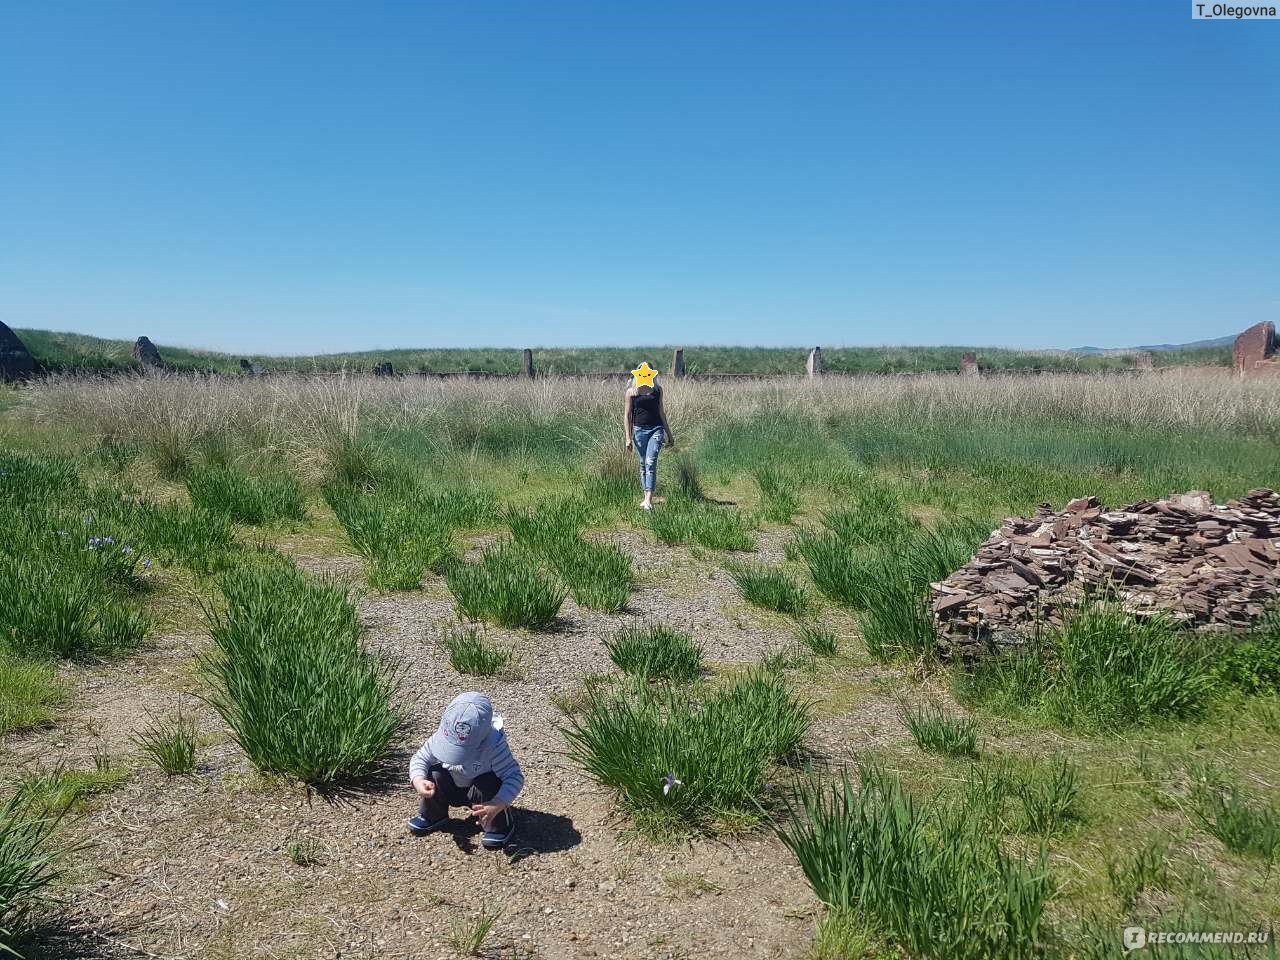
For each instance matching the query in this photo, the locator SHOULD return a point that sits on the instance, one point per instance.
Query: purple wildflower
(669, 782)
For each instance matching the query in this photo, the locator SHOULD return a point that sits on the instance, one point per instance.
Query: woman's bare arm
(626, 417)
(666, 427)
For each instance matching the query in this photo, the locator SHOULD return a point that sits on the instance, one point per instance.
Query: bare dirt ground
(200, 867)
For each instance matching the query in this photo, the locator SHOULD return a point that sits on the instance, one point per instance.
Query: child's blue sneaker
(501, 835)
(421, 826)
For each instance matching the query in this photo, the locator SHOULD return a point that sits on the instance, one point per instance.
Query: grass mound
(656, 652)
(401, 539)
(598, 575)
(708, 525)
(291, 679)
(28, 689)
(936, 731)
(66, 590)
(242, 498)
(820, 641)
(886, 579)
(506, 587)
(470, 653)
(779, 500)
(770, 588)
(29, 865)
(930, 874)
(681, 758)
(171, 744)
(1103, 670)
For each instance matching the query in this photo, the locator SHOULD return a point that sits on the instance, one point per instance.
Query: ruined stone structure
(1144, 360)
(969, 364)
(814, 366)
(1210, 566)
(1254, 351)
(677, 362)
(146, 355)
(16, 362)
(526, 363)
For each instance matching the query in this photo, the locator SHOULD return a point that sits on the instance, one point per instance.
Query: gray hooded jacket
(493, 756)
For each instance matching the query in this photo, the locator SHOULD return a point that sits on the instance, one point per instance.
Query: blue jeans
(648, 441)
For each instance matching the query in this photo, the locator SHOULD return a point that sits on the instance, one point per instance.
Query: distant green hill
(75, 351)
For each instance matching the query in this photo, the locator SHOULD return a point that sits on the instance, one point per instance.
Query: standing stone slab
(677, 363)
(146, 354)
(16, 362)
(1255, 346)
(1144, 360)
(526, 363)
(969, 364)
(814, 365)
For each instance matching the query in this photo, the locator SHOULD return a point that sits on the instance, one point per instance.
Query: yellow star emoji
(644, 374)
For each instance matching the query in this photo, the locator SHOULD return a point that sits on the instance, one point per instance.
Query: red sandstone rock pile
(1212, 566)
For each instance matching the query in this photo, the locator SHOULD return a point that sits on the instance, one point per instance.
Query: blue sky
(302, 177)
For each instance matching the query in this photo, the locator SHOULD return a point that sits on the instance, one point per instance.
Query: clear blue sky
(301, 177)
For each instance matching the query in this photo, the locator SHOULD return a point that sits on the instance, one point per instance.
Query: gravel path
(199, 867)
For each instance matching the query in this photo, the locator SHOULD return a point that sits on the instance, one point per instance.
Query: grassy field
(71, 351)
(230, 609)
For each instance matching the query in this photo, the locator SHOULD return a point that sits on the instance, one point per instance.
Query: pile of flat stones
(1211, 566)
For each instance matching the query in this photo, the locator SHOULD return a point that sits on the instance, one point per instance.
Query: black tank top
(644, 409)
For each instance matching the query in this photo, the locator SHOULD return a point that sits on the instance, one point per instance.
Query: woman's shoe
(501, 834)
(646, 506)
(421, 826)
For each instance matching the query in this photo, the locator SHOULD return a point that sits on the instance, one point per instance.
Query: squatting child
(467, 763)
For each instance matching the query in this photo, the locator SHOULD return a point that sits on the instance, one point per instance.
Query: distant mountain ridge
(1153, 347)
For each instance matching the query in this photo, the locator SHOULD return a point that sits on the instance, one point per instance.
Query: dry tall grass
(299, 413)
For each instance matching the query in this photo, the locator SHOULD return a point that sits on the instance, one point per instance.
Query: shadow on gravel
(388, 777)
(71, 943)
(537, 833)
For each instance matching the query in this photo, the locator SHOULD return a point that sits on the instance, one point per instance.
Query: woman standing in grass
(645, 424)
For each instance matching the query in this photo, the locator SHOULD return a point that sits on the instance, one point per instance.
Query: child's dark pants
(448, 794)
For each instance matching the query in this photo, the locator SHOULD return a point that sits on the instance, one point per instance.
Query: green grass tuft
(771, 588)
(820, 640)
(599, 575)
(656, 652)
(28, 691)
(291, 679)
(506, 587)
(30, 863)
(469, 653)
(778, 497)
(171, 744)
(58, 789)
(929, 875)
(1050, 799)
(244, 499)
(686, 479)
(1244, 827)
(402, 539)
(936, 731)
(1103, 670)
(718, 743)
(708, 525)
